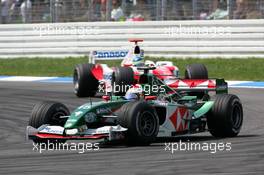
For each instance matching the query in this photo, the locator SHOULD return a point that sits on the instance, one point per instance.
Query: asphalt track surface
(17, 157)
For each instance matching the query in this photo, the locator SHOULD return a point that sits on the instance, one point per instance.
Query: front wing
(58, 132)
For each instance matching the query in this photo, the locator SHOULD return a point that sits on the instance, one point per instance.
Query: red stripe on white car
(193, 84)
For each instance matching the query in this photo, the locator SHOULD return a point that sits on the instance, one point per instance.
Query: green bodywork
(203, 110)
(77, 118)
(172, 97)
(200, 110)
(99, 109)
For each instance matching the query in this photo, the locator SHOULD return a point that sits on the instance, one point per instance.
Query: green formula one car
(140, 117)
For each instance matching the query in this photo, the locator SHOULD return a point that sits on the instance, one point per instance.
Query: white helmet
(132, 94)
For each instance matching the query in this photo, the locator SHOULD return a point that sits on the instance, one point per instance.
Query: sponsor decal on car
(52, 130)
(108, 76)
(110, 54)
(103, 110)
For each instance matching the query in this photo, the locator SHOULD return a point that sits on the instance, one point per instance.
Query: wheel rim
(147, 124)
(56, 120)
(75, 80)
(236, 116)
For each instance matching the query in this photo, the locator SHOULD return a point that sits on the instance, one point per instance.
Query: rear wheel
(48, 112)
(142, 122)
(85, 84)
(122, 79)
(196, 71)
(226, 117)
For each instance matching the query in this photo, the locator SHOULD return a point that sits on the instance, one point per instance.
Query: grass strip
(230, 69)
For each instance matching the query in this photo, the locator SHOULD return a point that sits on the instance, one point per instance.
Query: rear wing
(217, 85)
(117, 54)
(125, 54)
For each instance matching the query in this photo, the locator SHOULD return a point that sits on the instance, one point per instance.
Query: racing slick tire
(226, 116)
(142, 122)
(48, 112)
(123, 78)
(85, 84)
(196, 71)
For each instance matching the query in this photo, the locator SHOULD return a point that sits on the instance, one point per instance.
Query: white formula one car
(90, 78)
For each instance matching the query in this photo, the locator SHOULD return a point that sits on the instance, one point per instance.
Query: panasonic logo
(109, 54)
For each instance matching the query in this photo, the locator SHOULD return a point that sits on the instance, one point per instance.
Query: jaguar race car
(91, 78)
(148, 110)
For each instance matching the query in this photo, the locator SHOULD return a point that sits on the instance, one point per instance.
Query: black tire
(196, 71)
(142, 122)
(85, 84)
(122, 78)
(48, 112)
(226, 116)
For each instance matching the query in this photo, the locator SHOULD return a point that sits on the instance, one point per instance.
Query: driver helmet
(132, 94)
(137, 60)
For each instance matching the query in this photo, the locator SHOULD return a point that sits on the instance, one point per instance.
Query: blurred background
(46, 11)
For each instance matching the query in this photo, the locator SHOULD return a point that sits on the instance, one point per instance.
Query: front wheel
(226, 117)
(142, 122)
(48, 112)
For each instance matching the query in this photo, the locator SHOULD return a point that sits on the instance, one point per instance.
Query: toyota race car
(141, 116)
(87, 80)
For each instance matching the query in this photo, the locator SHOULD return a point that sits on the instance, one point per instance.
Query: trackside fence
(195, 38)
